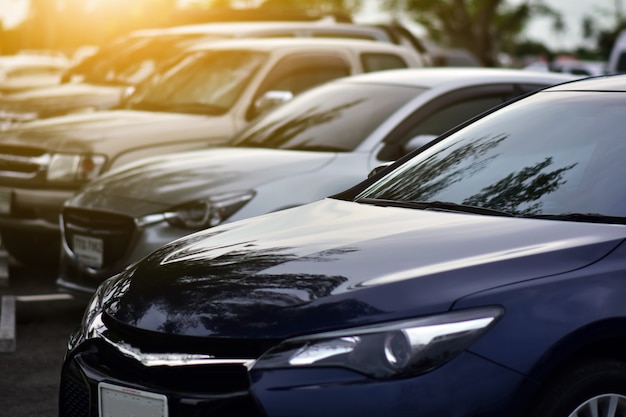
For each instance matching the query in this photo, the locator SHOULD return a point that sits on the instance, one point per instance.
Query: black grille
(22, 161)
(115, 230)
(74, 399)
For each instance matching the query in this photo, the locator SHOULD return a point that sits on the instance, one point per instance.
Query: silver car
(322, 142)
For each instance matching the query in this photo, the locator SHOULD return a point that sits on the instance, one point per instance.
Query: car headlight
(68, 168)
(208, 212)
(91, 317)
(387, 350)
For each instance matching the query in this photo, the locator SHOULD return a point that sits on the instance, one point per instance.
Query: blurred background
(497, 32)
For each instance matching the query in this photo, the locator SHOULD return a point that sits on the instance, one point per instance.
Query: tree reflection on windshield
(517, 189)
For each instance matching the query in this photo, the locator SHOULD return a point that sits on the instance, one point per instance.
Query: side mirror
(379, 168)
(418, 141)
(271, 99)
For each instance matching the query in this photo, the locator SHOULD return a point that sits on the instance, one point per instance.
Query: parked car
(101, 81)
(322, 142)
(212, 92)
(481, 276)
(25, 72)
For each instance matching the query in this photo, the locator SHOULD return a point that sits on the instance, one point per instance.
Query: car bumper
(32, 210)
(468, 385)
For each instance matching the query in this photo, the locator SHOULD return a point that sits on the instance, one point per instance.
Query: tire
(595, 388)
(32, 249)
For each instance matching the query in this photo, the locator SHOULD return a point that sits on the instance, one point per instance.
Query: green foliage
(484, 27)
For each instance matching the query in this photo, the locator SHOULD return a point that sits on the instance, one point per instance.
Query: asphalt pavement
(35, 322)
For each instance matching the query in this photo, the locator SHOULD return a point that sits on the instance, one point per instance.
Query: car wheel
(593, 389)
(32, 249)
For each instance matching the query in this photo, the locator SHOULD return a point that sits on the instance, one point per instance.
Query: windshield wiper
(580, 217)
(436, 205)
(317, 148)
(195, 108)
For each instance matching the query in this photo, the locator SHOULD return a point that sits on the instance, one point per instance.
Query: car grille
(74, 399)
(115, 230)
(198, 391)
(23, 163)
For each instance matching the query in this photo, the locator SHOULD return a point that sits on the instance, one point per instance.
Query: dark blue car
(482, 276)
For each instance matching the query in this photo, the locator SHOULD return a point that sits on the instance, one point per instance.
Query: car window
(453, 115)
(301, 72)
(206, 81)
(540, 168)
(378, 62)
(333, 117)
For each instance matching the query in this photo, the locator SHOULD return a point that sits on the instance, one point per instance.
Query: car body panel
(320, 282)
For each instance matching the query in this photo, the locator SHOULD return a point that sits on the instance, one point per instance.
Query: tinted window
(553, 153)
(336, 116)
(378, 62)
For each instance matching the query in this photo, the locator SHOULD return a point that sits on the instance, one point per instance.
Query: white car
(322, 142)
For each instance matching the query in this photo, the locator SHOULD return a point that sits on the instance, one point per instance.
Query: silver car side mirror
(418, 141)
(271, 99)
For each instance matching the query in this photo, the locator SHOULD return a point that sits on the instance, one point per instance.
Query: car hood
(159, 183)
(59, 99)
(333, 264)
(99, 131)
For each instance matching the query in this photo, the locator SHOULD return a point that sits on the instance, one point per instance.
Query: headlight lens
(68, 168)
(208, 212)
(387, 350)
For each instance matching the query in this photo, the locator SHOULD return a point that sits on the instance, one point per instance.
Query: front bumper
(32, 210)
(468, 385)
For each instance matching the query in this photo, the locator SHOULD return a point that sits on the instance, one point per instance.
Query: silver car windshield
(207, 82)
(553, 155)
(335, 117)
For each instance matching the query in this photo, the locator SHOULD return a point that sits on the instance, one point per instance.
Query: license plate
(5, 202)
(116, 401)
(88, 250)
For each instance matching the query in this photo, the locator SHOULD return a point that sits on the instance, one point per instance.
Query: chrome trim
(97, 329)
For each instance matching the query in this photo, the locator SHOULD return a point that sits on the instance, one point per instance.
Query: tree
(484, 27)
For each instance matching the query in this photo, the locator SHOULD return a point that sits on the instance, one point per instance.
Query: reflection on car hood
(159, 183)
(59, 99)
(334, 264)
(98, 131)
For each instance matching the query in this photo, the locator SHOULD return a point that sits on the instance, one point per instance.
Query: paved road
(29, 376)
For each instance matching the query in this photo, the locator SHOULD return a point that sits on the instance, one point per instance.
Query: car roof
(270, 44)
(241, 29)
(614, 83)
(457, 76)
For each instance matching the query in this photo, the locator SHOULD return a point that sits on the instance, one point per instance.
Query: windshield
(334, 117)
(556, 154)
(206, 82)
(131, 60)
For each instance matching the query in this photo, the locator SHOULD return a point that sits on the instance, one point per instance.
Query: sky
(13, 11)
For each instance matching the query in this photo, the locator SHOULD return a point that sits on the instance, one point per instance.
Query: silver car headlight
(208, 212)
(71, 168)
(387, 350)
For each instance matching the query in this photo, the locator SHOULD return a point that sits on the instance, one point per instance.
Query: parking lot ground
(44, 319)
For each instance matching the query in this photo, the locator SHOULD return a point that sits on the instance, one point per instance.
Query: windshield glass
(333, 117)
(131, 60)
(554, 154)
(207, 82)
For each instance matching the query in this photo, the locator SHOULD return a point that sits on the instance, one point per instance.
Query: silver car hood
(102, 131)
(154, 184)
